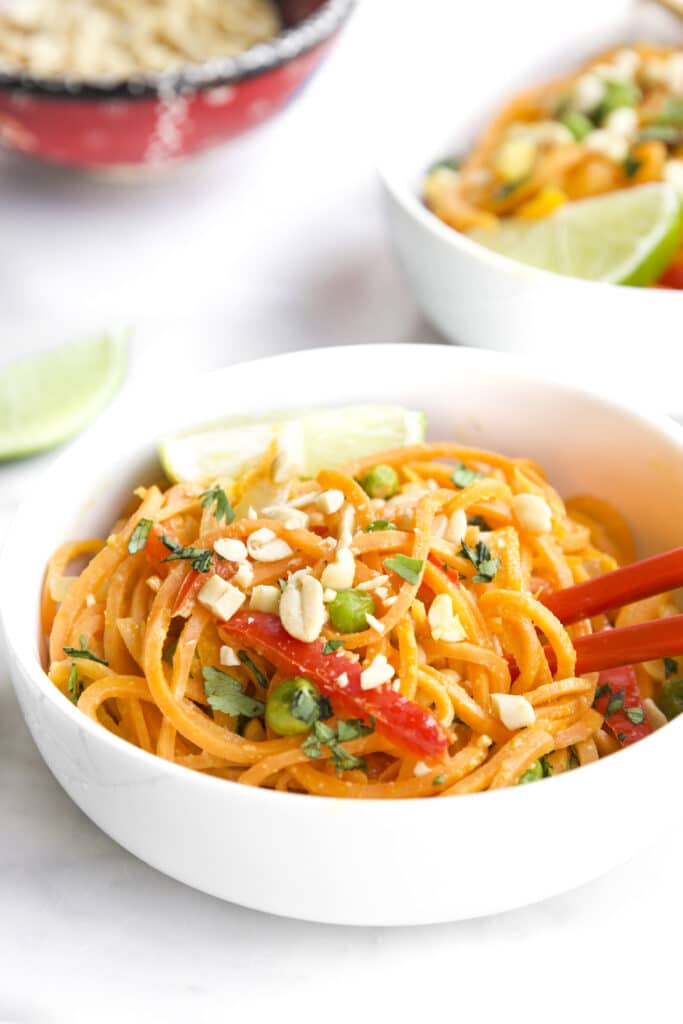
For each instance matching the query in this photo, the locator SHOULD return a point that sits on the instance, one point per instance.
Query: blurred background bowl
(476, 297)
(155, 118)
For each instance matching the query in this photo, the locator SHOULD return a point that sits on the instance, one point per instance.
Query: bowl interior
(484, 399)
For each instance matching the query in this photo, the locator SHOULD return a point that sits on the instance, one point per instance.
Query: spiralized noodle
(139, 615)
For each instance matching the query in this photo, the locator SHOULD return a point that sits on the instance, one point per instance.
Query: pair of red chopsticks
(646, 641)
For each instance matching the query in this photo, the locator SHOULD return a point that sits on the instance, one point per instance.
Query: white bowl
(354, 862)
(479, 298)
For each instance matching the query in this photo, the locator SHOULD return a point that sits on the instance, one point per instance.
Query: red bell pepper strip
(618, 699)
(672, 277)
(400, 720)
(452, 574)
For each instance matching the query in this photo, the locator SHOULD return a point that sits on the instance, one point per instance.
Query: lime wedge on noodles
(625, 237)
(328, 437)
(49, 397)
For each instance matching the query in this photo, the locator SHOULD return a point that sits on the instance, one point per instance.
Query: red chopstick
(615, 589)
(611, 648)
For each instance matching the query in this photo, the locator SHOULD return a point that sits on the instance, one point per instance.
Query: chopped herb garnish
(408, 568)
(138, 538)
(631, 165)
(332, 738)
(332, 645)
(379, 524)
(616, 702)
(635, 715)
(602, 690)
(223, 509)
(507, 188)
(254, 669)
(463, 476)
(450, 163)
(546, 766)
(225, 693)
(478, 521)
(282, 584)
(573, 758)
(482, 560)
(74, 685)
(309, 708)
(621, 736)
(199, 558)
(667, 133)
(83, 652)
(439, 780)
(671, 112)
(170, 650)
(670, 667)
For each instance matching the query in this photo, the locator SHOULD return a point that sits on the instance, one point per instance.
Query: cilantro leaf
(83, 652)
(478, 521)
(199, 558)
(602, 690)
(225, 693)
(631, 165)
(635, 715)
(223, 509)
(573, 758)
(482, 560)
(463, 476)
(309, 709)
(616, 702)
(379, 524)
(138, 538)
(282, 584)
(670, 667)
(74, 685)
(169, 650)
(321, 733)
(332, 645)
(254, 669)
(408, 568)
(439, 780)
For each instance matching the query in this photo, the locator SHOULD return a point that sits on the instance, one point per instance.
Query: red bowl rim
(281, 49)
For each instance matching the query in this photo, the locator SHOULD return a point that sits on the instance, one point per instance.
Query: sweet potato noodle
(456, 560)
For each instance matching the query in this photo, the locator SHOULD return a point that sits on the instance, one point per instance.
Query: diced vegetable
(349, 610)
(399, 720)
(617, 697)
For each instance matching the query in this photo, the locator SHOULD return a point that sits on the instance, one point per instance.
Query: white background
(277, 243)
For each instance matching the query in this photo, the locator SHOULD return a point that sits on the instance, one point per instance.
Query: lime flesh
(625, 237)
(327, 438)
(47, 398)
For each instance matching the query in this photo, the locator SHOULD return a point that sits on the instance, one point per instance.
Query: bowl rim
(408, 200)
(289, 44)
(32, 670)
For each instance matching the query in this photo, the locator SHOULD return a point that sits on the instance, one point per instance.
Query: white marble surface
(276, 243)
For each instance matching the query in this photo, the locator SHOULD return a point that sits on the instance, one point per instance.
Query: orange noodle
(184, 623)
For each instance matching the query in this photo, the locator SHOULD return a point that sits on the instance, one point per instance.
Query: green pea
(532, 774)
(618, 94)
(670, 699)
(293, 706)
(380, 481)
(578, 124)
(349, 610)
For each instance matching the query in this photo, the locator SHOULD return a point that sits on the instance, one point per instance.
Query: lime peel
(625, 237)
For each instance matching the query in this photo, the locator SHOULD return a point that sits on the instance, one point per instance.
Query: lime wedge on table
(625, 237)
(46, 398)
(328, 437)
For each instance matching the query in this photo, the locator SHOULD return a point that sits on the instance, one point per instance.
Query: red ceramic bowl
(157, 118)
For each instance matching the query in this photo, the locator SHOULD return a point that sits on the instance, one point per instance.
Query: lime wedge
(47, 398)
(313, 440)
(625, 237)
